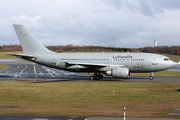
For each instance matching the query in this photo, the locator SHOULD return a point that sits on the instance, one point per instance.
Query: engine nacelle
(118, 72)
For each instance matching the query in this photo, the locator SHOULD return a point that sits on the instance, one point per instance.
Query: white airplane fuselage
(136, 62)
(117, 65)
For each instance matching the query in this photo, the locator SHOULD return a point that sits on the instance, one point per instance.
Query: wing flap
(94, 64)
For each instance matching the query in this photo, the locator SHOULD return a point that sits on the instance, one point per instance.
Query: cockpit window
(166, 59)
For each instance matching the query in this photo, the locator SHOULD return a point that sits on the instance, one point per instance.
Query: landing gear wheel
(96, 78)
(151, 77)
(100, 76)
(91, 77)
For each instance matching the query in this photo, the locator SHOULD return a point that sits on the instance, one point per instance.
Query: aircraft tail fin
(28, 42)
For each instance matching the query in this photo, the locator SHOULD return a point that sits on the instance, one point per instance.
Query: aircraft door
(154, 61)
(53, 59)
(112, 60)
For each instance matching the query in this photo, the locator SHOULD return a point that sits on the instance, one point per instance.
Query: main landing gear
(96, 76)
(151, 76)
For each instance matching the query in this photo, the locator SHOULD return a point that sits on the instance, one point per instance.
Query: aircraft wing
(94, 64)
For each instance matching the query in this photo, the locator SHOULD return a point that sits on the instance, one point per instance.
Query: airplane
(117, 65)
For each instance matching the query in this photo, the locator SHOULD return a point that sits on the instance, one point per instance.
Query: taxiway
(20, 70)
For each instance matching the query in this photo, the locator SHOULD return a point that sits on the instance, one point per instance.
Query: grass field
(3, 66)
(89, 99)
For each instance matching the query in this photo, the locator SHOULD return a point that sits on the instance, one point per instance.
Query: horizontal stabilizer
(25, 56)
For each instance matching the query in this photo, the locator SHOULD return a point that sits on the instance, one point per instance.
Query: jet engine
(118, 72)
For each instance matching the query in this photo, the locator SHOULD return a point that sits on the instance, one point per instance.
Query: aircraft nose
(169, 64)
(172, 63)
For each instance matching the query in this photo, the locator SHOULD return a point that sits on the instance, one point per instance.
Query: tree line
(174, 50)
(67, 48)
(77, 48)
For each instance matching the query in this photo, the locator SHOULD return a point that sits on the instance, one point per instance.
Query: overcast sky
(119, 23)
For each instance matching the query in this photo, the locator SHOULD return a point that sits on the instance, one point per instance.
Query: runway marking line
(34, 68)
(12, 69)
(23, 69)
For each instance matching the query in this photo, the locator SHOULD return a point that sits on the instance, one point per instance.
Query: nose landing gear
(151, 76)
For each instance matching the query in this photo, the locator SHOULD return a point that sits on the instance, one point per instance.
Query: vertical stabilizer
(28, 42)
